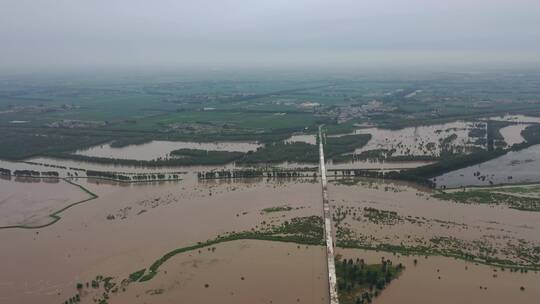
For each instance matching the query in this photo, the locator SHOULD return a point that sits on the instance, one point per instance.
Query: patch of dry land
(260, 241)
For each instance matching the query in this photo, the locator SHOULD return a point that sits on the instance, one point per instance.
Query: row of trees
(91, 173)
(108, 175)
(127, 178)
(5, 171)
(30, 173)
(254, 173)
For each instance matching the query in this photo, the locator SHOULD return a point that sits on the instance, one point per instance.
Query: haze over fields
(59, 34)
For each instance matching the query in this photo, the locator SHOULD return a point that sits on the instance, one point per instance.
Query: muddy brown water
(378, 165)
(416, 140)
(446, 280)
(130, 226)
(512, 134)
(514, 167)
(30, 201)
(44, 265)
(161, 149)
(493, 226)
(366, 164)
(239, 272)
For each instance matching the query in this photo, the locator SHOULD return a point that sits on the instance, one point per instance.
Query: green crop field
(243, 106)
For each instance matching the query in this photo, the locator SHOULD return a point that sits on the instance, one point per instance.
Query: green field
(76, 111)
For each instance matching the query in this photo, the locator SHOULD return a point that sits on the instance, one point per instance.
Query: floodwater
(130, 226)
(419, 217)
(512, 134)
(517, 118)
(127, 228)
(377, 165)
(421, 140)
(238, 272)
(13, 165)
(415, 141)
(48, 164)
(361, 164)
(446, 280)
(29, 201)
(514, 167)
(186, 172)
(161, 149)
(305, 138)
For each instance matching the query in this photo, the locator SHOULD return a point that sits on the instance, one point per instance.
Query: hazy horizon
(52, 35)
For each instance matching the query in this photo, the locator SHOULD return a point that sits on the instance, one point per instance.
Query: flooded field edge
(152, 269)
(55, 216)
(436, 279)
(481, 271)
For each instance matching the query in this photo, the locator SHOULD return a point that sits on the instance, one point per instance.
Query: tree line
(28, 173)
(257, 173)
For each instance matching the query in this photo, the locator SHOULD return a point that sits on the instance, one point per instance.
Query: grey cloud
(58, 33)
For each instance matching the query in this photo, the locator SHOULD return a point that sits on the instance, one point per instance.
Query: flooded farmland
(250, 152)
(512, 134)
(98, 239)
(514, 167)
(305, 138)
(423, 140)
(161, 149)
(239, 272)
(127, 228)
(29, 201)
(381, 213)
(445, 280)
(130, 226)
(517, 118)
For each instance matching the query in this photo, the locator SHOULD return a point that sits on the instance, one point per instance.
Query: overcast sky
(41, 34)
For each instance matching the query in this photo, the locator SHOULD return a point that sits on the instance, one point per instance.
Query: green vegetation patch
(184, 157)
(359, 283)
(127, 141)
(531, 134)
(282, 152)
(302, 230)
(344, 144)
(446, 164)
(492, 197)
(137, 275)
(529, 190)
(378, 216)
(512, 252)
(346, 181)
(21, 144)
(277, 209)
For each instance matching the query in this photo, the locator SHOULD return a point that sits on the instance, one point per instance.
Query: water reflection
(514, 167)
